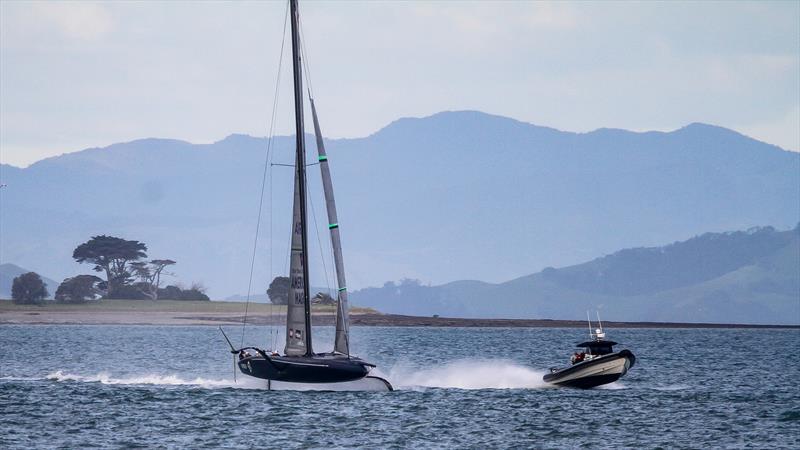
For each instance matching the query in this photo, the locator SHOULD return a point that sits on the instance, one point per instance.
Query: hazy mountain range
(737, 277)
(457, 195)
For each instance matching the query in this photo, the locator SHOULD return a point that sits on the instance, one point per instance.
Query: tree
(28, 288)
(196, 292)
(149, 274)
(111, 255)
(278, 291)
(323, 298)
(157, 266)
(132, 291)
(170, 293)
(79, 289)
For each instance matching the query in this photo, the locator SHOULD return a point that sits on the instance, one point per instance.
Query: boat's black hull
(599, 371)
(590, 382)
(369, 383)
(305, 369)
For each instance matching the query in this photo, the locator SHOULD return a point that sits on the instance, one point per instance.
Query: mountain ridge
(462, 195)
(763, 287)
(415, 120)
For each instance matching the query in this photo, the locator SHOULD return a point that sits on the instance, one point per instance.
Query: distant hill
(457, 195)
(737, 277)
(10, 271)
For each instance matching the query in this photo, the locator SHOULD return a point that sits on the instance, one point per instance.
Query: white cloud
(77, 20)
(75, 74)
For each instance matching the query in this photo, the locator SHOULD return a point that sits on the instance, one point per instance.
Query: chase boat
(594, 365)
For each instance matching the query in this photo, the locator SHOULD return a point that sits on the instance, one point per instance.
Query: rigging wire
(310, 87)
(307, 71)
(264, 175)
(319, 242)
(307, 65)
(268, 168)
(271, 208)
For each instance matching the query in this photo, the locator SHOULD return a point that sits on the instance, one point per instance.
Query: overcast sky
(83, 74)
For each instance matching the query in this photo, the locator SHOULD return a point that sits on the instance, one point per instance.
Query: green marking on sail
(342, 289)
(322, 158)
(333, 225)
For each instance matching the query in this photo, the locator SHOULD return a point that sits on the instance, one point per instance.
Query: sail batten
(341, 341)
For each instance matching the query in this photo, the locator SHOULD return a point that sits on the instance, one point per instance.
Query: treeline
(278, 293)
(128, 274)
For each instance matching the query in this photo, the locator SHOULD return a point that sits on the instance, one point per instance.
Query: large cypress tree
(111, 255)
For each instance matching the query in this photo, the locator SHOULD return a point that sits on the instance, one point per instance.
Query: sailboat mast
(301, 164)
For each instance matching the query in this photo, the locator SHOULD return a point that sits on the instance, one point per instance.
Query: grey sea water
(155, 387)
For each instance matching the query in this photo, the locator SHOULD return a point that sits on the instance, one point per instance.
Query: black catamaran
(299, 363)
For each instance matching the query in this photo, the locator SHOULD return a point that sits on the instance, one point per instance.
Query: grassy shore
(160, 312)
(175, 306)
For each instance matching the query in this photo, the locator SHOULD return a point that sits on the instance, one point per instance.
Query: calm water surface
(131, 386)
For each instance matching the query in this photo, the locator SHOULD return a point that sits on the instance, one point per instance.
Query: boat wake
(243, 382)
(671, 387)
(615, 386)
(461, 374)
(151, 379)
(468, 374)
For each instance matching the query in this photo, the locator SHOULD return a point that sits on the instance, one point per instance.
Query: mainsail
(296, 333)
(341, 342)
(298, 310)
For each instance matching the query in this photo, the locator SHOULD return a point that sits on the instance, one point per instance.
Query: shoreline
(165, 318)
